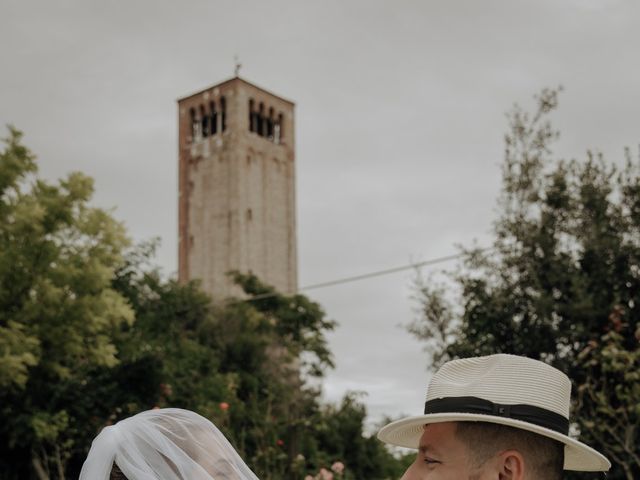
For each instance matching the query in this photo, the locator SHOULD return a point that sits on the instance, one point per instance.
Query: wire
(380, 273)
(365, 276)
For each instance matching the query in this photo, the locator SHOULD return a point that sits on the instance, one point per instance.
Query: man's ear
(511, 465)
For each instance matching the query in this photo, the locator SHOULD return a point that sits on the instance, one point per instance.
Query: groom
(500, 417)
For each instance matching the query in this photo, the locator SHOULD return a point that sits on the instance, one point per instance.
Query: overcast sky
(399, 124)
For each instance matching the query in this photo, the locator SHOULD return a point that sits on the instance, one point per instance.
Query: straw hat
(506, 389)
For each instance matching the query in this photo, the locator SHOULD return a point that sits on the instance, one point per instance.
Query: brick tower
(237, 187)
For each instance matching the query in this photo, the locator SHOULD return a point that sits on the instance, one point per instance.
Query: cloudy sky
(399, 123)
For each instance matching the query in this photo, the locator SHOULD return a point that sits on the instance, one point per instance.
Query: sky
(400, 117)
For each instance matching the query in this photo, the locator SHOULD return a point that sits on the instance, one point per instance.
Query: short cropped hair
(544, 456)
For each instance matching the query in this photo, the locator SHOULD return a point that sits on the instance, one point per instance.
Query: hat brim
(577, 455)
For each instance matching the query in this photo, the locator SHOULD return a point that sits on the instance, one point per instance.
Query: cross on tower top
(238, 66)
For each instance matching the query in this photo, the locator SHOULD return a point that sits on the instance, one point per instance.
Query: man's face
(442, 456)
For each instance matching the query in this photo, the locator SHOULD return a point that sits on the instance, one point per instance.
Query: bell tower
(236, 187)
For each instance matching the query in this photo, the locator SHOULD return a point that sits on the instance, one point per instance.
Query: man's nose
(412, 473)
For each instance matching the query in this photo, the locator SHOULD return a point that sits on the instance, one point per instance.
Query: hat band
(526, 413)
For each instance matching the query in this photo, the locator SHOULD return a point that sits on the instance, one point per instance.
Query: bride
(163, 444)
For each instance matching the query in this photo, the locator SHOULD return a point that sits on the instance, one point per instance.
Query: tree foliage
(90, 333)
(560, 284)
(57, 307)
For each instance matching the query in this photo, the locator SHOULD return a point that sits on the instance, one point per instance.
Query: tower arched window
(194, 123)
(252, 125)
(223, 114)
(204, 118)
(261, 124)
(280, 125)
(213, 116)
(270, 122)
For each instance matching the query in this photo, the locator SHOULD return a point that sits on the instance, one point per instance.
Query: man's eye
(430, 461)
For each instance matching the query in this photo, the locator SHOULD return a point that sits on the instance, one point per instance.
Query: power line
(380, 273)
(365, 276)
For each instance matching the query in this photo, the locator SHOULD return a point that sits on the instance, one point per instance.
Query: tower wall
(237, 192)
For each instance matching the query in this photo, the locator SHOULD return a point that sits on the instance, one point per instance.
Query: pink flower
(325, 474)
(224, 406)
(338, 467)
(308, 477)
(280, 442)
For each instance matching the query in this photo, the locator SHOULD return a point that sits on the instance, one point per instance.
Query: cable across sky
(365, 276)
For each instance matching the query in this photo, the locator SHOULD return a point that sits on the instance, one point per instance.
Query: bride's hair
(167, 444)
(116, 473)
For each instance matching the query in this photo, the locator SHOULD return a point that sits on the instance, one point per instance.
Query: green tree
(268, 342)
(563, 273)
(608, 399)
(243, 363)
(57, 307)
(337, 435)
(238, 362)
(73, 360)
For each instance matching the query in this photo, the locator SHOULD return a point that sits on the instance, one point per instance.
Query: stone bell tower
(237, 187)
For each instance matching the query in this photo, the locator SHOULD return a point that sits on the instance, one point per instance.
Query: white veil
(164, 444)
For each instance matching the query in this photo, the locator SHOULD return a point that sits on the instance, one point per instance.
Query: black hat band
(526, 413)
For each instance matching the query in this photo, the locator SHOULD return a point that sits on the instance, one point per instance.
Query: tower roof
(235, 80)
